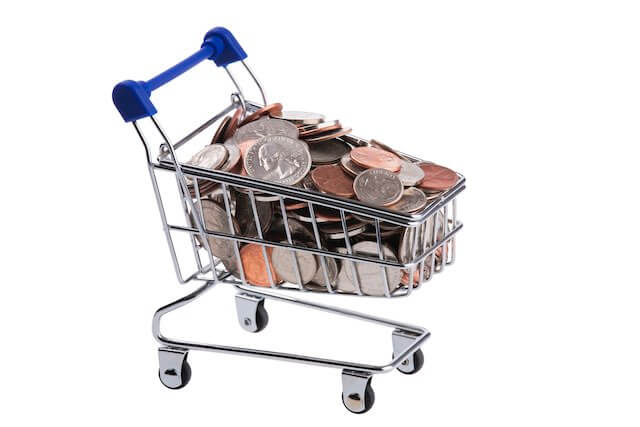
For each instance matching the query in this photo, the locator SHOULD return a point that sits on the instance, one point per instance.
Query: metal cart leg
(175, 371)
(252, 315)
(401, 340)
(357, 393)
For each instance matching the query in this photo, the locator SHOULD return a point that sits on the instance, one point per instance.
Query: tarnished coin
(370, 275)
(265, 127)
(412, 200)
(245, 217)
(284, 260)
(332, 179)
(437, 178)
(255, 268)
(232, 127)
(299, 117)
(218, 137)
(210, 157)
(215, 219)
(369, 157)
(264, 111)
(328, 152)
(311, 130)
(279, 159)
(308, 184)
(350, 167)
(410, 174)
(378, 187)
(233, 157)
(326, 136)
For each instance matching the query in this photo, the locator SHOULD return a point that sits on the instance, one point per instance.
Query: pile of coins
(304, 150)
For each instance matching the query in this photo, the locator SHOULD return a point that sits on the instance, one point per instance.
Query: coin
(218, 136)
(210, 157)
(332, 179)
(297, 230)
(410, 174)
(318, 281)
(322, 215)
(350, 167)
(385, 147)
(293, 205)
(378, 187)
(371, 279)
(233, 124)
(437, 178)
(334, 231)
(412, 200)
(310, 130)
(370, 232)
(328, 152)
(234, 156)
(254, 266)
(264, 111)
(215, 219)
(284, 263)
(299, 117)
(326, 136)
(308, 184)
(245, 217)
(279, 159)
(369, 157)
(265, 127)
(422, 241)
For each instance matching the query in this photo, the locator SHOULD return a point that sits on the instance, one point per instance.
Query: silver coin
(233, 157)
(370, 275)
(278, 159)
(328, 152)
(412, 200)
(300, 117)
(210, 157)
(334, 231)
(245, 216)
(297, 230)
(350, 167)
(378, 187)
(318, 282)
(410, 174)
(284, 263)
(217, 196)
(215, 219)
(265, 126)
(319, 126)
(308, 183)
(423, 241)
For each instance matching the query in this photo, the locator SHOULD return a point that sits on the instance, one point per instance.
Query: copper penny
(295, 205)
(255, 269)
(327, 135)
(437, 178)
(270, 109)
(310, 130)
(332, 179)
(217, 137)
(233, 124)
(369, 157)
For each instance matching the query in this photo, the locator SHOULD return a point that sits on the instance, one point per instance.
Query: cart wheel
(252, 315)
(262, 317)
(369, 399)
(413, 364)
(185, 375)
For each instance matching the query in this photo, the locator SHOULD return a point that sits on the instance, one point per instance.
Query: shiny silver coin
(210, 157)
(350, 167)
(319, 282)
(411, 246)
(412, 200)
(410, 174)
(246, 219)
(233, 157)
(285, 261)
(300, 117)
(215, 219)
(371, 279)
(328, 152)
(278, 159)
(265, 126)
(378, 187)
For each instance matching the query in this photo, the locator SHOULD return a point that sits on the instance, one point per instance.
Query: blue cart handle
(132, 99)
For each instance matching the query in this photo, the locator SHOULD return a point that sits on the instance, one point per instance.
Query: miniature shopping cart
(431, 232)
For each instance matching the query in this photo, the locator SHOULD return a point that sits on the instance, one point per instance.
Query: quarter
(265, 127)
(285, 261)
(412, 200)
(298, 117)
(210, 157)
(278, 159)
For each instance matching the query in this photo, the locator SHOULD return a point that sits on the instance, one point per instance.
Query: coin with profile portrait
(278, 159)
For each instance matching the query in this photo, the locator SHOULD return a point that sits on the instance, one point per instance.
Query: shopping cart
(429, 237)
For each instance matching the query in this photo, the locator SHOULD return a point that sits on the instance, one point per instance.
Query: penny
(299, 117)
(246, 219)
(285, 260)
(410, 174)
(369, 157)
(264, 111)
(412, 200)
(215, 219)
(218, 136)
(210, 157)
(254, 266)
(437, 178)
(370, 275)
(350, 167)
(385, 147)
(295, 205)
(378, 187)
(234, 156)
(278, 159)
(308, 184)
(328, 152)
(232, 127)
(327, 135)
(310, 130)
(265, 127)
(332, 179)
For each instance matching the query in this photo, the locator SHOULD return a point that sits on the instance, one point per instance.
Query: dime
(210, 157)
(265, 127)
(437, 178)
(310, 130)
(327, 135)
(410, 174)
(215, 219)
(378, 187)
(245, 217)
(218, 136)
(233, 124)
(412, 200)
(369, 157)
(284, 260)
(371, 280)
(328, 152)
(279, 159)
(234, 156)
(350, 167)
(298, 117)
(332, 179)
(264, 111)
(255, 268)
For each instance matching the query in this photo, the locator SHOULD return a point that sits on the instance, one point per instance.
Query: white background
(537, 103)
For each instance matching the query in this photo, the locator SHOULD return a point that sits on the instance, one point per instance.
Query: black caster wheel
(417, 359)
(369, 399)
(185, 375)
(262, 317)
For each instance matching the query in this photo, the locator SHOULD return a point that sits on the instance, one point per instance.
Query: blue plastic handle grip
(132, 98)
